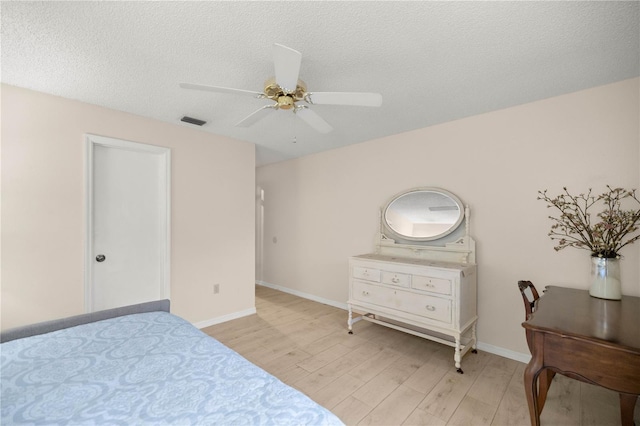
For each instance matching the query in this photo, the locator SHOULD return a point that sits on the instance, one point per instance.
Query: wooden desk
(593, 340)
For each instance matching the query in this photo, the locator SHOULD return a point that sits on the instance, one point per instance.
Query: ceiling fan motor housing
(273, 91)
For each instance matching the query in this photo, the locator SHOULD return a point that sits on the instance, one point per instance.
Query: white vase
(605, 278)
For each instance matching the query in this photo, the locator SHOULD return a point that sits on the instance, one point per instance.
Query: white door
(127, 247)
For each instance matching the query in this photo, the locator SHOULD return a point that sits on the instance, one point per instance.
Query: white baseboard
(224, 318)
(507, 353)
(496, 350)
(304, 295)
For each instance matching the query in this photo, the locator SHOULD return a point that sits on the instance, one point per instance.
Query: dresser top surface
(418, 262)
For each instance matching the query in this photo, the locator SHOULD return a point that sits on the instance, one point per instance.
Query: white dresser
(425, 289)
(434, 296)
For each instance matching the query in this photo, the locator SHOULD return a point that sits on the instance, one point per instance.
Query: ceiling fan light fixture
(271, 88)
(273, 91)
(286, 102)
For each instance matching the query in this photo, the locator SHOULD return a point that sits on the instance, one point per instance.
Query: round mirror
(423, 214)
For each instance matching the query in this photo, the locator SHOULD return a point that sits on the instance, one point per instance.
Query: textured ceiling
(432, 62)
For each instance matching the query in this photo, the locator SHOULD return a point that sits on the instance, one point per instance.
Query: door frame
(91, 141)
(259, 234)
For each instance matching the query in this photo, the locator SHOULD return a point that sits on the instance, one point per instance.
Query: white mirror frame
(442, 249)
(394, 233)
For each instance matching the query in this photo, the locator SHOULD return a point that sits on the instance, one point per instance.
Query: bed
(139, 365)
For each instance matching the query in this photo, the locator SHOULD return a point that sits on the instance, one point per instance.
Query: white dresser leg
(350, 321)
(474, 338)
(457, 357)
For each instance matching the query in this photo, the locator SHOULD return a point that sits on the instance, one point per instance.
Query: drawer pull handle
(365, 293)
(430, 285)
(395, 280)
(430, 308)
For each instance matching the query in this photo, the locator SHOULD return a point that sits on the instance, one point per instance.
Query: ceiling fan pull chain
(295, 140)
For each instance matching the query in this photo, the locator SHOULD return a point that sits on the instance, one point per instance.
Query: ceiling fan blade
(221, 90)
(287, 67)
(256, 116)
(313, 119)
(344, 98)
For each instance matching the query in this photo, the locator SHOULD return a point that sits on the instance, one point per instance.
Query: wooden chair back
(529, 298)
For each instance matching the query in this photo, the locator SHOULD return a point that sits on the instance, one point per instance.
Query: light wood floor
(385, 377)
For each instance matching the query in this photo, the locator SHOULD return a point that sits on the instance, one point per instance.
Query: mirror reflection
(424, 214)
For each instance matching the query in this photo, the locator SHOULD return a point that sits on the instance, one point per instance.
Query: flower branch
(574, 228)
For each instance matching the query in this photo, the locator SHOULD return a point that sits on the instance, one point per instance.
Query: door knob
(100, 258)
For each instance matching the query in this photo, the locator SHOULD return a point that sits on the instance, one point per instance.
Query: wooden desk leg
(531, 375)
(531, 389)
(627, 404)
(544, 380)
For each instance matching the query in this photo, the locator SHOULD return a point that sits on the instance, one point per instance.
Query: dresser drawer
(372, 294)
(428, 306)
(394, 278)
(369, 274)
(417, 304)
(434, 285)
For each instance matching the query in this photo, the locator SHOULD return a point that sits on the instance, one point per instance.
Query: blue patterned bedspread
(143, 369)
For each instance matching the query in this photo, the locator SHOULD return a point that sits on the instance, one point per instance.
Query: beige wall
(213, 182)
(324, 208)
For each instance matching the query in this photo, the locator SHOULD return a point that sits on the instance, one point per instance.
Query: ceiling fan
(286, 89)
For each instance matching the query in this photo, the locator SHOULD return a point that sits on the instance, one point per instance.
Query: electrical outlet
(216, 288)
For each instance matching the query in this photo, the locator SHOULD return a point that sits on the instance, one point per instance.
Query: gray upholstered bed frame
(59, 324)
